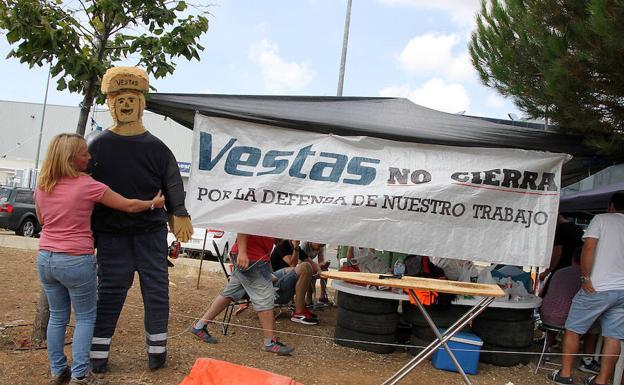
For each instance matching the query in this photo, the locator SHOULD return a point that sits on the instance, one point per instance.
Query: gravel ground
(317, 360)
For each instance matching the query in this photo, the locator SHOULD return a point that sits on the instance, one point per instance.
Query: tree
(560, 60)
(80, 40)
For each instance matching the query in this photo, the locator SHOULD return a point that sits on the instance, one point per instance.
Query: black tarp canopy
(591, 201)
(388, 118)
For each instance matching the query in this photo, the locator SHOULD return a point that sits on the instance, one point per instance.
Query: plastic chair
(229, 310)
(547, 328)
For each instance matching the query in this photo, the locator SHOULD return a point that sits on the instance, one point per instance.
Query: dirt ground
(317, 360)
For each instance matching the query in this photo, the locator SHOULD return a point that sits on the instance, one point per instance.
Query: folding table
(414, 284)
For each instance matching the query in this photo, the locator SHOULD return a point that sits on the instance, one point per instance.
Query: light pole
(45, 103)
(345, 43)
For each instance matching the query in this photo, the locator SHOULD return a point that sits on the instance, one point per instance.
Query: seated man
(293, 282)
(292, 279)
(556, 301)
(313, 250)
(251, 275)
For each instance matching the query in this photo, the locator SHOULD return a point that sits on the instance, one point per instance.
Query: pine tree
(560, 60)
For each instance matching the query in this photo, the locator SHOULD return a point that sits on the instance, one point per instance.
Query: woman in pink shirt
(64, 198)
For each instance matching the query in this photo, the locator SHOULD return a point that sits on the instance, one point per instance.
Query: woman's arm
(118, 202)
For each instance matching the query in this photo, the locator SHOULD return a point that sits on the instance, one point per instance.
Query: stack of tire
(366, 323)
(422, 335)
(507, 332)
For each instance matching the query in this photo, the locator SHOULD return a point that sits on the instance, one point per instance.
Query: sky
(403, 48)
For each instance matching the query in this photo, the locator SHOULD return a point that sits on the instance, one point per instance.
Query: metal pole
(345, 42)
(201, 260)
(45, 103)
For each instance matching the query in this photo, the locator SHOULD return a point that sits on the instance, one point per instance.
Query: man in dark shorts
(292, 279)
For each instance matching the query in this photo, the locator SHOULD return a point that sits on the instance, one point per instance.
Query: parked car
(17, 211)
(193, 247)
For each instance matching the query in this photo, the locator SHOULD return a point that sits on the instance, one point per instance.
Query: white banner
(497, 205)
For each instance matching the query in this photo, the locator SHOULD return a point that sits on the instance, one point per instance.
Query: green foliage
(559, 59)
(82, 39)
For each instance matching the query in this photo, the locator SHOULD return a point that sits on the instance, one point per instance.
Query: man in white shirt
(601, 295)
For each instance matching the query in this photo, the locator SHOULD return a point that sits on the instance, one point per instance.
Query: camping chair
(547, 328)
(229, 310)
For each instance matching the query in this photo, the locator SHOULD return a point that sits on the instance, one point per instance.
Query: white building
(20, 125)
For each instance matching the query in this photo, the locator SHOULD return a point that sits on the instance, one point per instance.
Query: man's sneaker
(593, 367)
(310, 314)
(203, 334)
(304, 318)
(557, 379)
(591, 380)
(62, 378)
(89, 379)
(277, 347)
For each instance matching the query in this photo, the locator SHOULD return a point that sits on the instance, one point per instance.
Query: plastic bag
(518, 290)
(485, 276)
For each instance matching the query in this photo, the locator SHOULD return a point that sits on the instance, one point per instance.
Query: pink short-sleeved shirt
(66, 214)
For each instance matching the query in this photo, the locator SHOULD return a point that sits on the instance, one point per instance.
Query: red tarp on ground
(207, 371)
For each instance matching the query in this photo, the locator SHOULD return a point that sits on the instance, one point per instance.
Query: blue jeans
(66, 280)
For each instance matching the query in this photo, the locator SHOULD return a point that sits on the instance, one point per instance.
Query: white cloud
(495, 101)
(435, 93)
(432, 55)
(462, 11)
(279, 75)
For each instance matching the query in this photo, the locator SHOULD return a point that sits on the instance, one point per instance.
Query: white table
(530, 302)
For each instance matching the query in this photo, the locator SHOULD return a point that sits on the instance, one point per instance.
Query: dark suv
(17, 211)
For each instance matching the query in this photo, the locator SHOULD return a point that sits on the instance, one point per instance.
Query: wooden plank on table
(439, 285)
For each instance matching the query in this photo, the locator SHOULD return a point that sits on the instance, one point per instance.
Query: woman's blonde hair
(59, 160)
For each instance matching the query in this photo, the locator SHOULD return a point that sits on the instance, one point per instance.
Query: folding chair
(547, 328)
(227, 316)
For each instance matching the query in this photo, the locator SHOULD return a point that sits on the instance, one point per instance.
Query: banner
(486, 204)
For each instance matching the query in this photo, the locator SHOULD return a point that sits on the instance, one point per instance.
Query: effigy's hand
(181, 227)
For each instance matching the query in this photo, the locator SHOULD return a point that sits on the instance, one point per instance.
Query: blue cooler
(466, 348)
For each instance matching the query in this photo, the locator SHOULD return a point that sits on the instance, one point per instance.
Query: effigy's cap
(124, 78)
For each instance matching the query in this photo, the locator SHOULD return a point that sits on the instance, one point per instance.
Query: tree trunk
(87, 101)
(40, 326)
(85, 108)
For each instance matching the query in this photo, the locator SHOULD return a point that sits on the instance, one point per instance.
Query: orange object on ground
(426, 297)
(207, 371)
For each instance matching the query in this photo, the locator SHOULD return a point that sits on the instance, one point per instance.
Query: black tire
(442, 317)
(371, 323)
(505, 359)
(28, 228)
(368, 305)
(423, 333)
(404, 333)
(501, 314)
(415, 341)
(508, 334)
(347, 334)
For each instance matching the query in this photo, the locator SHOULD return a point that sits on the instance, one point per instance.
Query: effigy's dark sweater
(135, 167)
